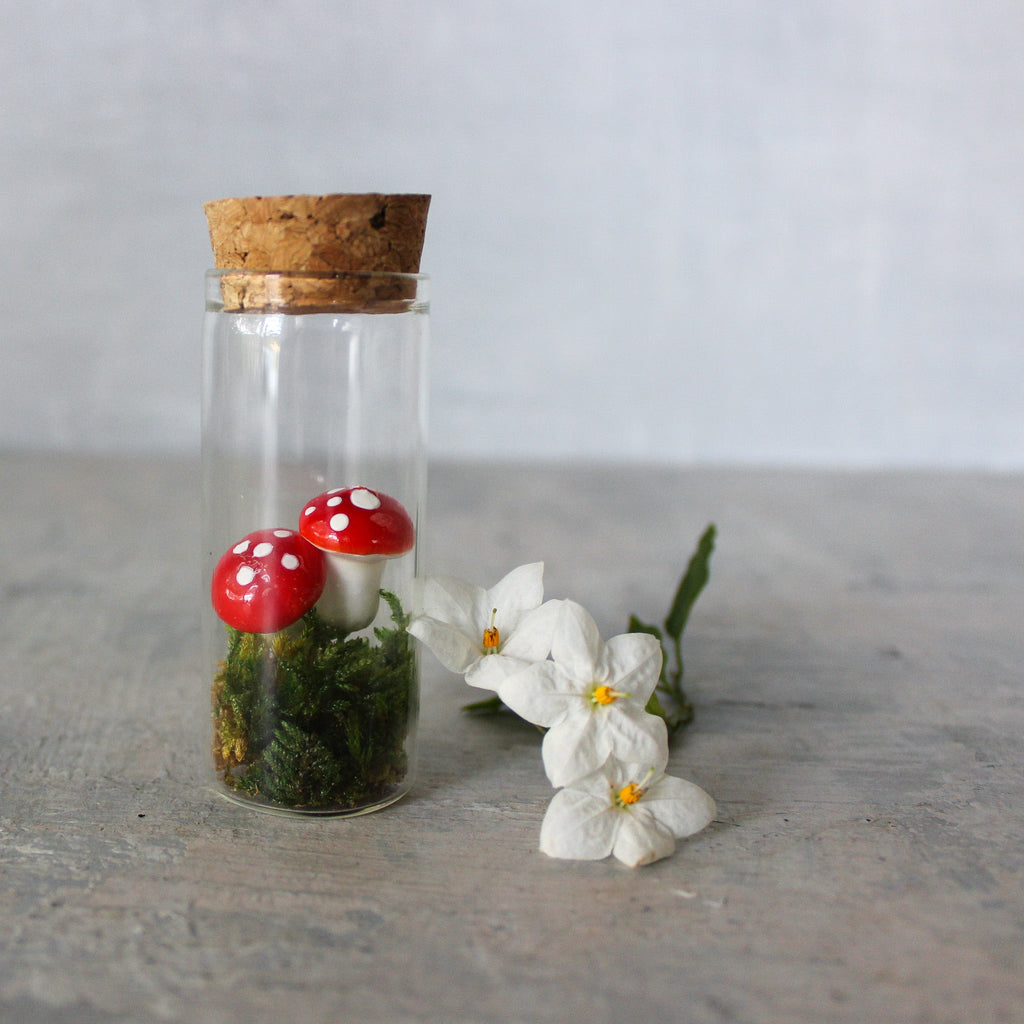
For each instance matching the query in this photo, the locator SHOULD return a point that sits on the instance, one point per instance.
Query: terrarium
(314, 476)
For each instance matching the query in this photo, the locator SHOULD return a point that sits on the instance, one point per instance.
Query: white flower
(629, 810)
(487, 634)
(590, 697)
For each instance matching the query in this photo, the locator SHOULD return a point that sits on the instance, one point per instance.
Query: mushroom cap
(267, 581)
(357, 521)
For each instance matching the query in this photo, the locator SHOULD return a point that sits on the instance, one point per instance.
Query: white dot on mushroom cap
(241, 548)
(339, 522)
(245, 575)
(335, 501)
(362, 498)
(289, 562)
(309, 511)
(262, 550)
(282, 533)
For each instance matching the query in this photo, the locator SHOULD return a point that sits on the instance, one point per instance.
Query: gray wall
(720, 231)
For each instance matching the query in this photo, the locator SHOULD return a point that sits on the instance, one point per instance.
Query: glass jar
(314, 478)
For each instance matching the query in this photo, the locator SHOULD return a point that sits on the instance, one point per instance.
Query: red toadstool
(357, 529)
(267, 581)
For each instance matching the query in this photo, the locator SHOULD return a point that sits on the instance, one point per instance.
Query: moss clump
(315, 719)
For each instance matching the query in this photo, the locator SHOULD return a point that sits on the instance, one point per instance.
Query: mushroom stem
(351, 593)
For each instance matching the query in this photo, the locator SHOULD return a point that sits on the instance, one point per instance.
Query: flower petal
(489, 671)
(537, 694)
(641, 839)
(575, 746)
(576, 643)
(517, 592)
(632, 663)
(453, 601)
(531, 638)
(449, 645)
(681, 806)
(632, 735)
(599, 783)
(578, 826)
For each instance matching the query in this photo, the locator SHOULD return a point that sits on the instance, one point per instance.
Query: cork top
(327, 252)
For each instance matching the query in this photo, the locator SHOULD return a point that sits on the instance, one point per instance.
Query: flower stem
(680, 712)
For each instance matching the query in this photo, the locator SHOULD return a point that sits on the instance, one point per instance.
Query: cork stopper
(304, 254)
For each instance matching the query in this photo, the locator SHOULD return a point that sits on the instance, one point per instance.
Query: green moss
(315, 719)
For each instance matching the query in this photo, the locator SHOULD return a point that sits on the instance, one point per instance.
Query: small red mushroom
(358, 529)
(267, 581)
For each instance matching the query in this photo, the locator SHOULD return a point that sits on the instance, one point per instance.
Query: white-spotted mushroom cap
(357, 521)
(267, 581)
(358, 529)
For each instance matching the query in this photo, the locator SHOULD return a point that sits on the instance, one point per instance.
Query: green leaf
(398, 616)
(489, 706)
(692, 583)
(636, 626)
(678, 717)
(653, 706)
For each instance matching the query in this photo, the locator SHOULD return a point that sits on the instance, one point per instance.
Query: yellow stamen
(633, 791)
(492, 638)
(629, 795)
(605, 695)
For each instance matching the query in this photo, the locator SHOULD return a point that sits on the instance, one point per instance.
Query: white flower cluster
(602, 750)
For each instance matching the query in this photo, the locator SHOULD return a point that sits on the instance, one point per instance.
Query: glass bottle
(314, 477)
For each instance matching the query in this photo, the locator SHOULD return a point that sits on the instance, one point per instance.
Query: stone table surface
(856, 665)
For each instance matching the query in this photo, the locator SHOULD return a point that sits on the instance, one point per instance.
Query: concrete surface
(856, 666)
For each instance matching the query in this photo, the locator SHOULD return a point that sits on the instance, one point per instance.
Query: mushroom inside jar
(267, 581)
(358, 529)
